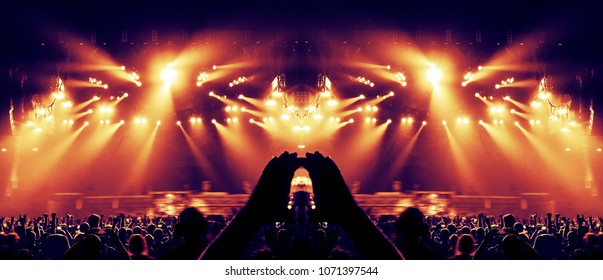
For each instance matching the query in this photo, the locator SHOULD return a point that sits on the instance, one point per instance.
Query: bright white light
(434, 74)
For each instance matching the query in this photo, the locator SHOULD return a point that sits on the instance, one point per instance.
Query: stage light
(391, 93)
(198, 120)
(424, 123)
(271, 103)
(102, 121)
(243, 109)
(367, 120)
(158, 122)
(532, 122)
(495, 121)
(86, 123)
(227, 109)
(434, 75)
(270, 119)
(444, 123)
(332, 103)
(374, 120)
(122, 122)
(388, 67)
(481, 122)
(264, 120)
(375, 109)
(512, 111)
(318, 117)
(235, 108)
(178, 123)
(96, 98)
(367, 108)
(169, 74)
(516, 123)
(125, 95)
(389, 121)
(229, 120)
(235, 120)
(123, 68)
(4, 150)
(212, 94)
(544, 95)
(480, 68)
(251, 121)
(404, 120)
(214, 67)
(507, 98)
(241, 96)
(351, 121)
(464, 84)
(67, 104)
(599, 150)
(214, 121)
(361, 96)
(561, 111)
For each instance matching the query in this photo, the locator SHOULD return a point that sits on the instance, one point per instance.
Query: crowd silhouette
(324, 224)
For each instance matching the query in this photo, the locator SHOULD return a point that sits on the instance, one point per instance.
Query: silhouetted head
(193, 223)
(84, 227)
(445, 236)
(94, 221)
(518, 227)
(465, 245)
(137, 245)
(508, 220)
(410, 224)
(91, 245)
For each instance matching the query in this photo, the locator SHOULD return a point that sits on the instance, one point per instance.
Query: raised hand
(271, 195)
(333, 197)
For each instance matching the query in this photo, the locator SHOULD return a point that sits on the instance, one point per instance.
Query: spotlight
(516, 123)
(122, 122)
(241, 96)
(96, 98)
(158, 122)
(86, 123)
(178, 123)
(599, 150)
(424, 123)
(3, 149)
(212, 94)
(481, 122)
(389, 121)
(361, 96)
(214, 121)
(251, 121)
(391, 93)
(444, 123)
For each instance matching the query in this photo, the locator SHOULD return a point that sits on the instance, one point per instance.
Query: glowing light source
(434, 75)
(424, 123)
(444, 123)
(214, 121)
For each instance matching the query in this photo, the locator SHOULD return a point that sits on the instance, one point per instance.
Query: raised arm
(335, 201)
(267, 204)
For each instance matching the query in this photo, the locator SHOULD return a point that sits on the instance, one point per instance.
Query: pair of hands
(270, 197)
